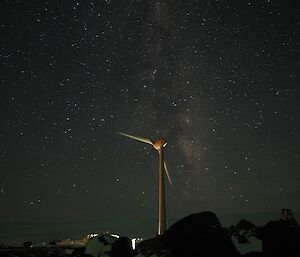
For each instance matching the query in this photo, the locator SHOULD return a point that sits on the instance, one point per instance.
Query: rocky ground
(197, 235)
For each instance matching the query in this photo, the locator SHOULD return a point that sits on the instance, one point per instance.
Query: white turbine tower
(159, 146)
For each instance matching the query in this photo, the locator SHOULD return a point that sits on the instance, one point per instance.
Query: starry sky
(217, 79)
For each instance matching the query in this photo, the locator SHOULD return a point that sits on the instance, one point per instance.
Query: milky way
(217, 79)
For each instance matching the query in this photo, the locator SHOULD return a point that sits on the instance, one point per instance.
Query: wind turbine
(159, 146)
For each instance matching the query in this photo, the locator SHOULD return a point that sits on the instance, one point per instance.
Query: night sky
(218, 79)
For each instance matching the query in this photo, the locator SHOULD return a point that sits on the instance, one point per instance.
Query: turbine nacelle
(159, 144)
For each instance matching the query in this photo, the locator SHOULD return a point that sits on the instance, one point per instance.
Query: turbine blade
(168, 175)
(141, 139)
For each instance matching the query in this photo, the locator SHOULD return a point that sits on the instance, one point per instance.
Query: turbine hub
(160, 143)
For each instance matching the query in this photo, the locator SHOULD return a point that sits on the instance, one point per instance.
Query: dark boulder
(243, 231)
(280, 239)
(254, 254)
(199, 234)
(78, 252)
(109, 245)
(27, 244)
(121, 248)
(245, 225)
(152, 247)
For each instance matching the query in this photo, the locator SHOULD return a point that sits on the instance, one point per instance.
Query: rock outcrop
(199, 234)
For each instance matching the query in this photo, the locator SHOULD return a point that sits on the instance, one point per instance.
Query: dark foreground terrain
(197, 235)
